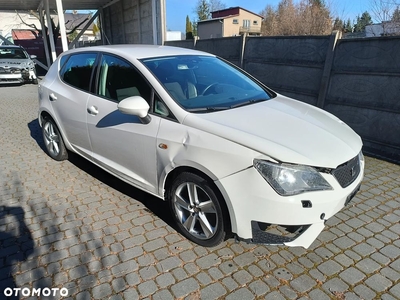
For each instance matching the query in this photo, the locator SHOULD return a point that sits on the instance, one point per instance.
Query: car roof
(141, 51)
(10, 46)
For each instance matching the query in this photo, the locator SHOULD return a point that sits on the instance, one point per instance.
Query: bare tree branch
(29, 25)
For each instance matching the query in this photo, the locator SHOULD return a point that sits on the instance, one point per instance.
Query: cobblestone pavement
(70, 225)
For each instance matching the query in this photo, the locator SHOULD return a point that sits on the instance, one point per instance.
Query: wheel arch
(218, 189)
(46, 115)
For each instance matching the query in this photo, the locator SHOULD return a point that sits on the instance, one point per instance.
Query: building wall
(233, 25)
(10, 21)
(135, 22)
(210, 29)
(386, 28)
(358, 80)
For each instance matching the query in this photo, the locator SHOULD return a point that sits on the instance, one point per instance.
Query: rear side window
(77, 71)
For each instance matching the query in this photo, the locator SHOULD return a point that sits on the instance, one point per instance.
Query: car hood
(284, 129)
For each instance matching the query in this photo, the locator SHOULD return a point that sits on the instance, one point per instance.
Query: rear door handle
(52, 97)
(93, 110)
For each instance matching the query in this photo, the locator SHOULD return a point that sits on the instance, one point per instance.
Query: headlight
(289, 180)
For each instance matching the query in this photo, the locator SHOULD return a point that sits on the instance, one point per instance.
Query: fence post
(326, 75)
(243, 45)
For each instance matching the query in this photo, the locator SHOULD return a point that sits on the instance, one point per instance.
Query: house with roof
(231, 21)
(13, 24)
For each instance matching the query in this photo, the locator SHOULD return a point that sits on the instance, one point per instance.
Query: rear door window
(77, 71)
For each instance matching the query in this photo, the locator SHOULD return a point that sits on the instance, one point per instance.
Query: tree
(382, 9)
(316, 17)
(56, 27)
(216, 5)
(308, 17)
(202, 10)
(362, 22)
(194, 27)
(189, 29)
(396, 15)
(338, 24)
(270, 23)
(349, 26)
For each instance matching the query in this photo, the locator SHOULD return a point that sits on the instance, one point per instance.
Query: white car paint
(312, 137)
(221, 145)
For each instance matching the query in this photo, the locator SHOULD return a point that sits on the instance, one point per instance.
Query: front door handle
(93, 110)
(52, 97)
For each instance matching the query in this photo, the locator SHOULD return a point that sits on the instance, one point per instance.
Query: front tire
(53, 140)
(196, 209)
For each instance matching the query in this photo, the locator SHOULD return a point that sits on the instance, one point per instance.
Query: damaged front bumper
(259, 215)
(17, 75)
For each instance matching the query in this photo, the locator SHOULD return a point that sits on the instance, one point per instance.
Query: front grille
(346, 173)
(10, 70)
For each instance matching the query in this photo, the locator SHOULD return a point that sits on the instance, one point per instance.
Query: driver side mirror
(135, 106)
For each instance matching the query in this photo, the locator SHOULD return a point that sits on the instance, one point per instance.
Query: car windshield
(205, 83)
(12, 53)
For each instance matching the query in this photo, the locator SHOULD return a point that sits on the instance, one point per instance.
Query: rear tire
(53, 140)
(196, 209)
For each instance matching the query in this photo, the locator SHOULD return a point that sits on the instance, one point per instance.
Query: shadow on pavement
(154, 204)
(159, 207)
(16, 245)
(36, 133)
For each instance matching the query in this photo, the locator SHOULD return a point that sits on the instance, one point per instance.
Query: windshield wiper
(211, 108)
(219, 108)
(252, 101)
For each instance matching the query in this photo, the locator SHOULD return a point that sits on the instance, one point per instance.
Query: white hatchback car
(227, 153)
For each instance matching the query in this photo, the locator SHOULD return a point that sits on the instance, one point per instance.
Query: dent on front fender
(183, 146)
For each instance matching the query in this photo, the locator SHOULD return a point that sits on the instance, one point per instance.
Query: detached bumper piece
(270, 234)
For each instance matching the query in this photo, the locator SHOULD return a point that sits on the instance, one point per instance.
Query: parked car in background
(16, 66)
(227, 153)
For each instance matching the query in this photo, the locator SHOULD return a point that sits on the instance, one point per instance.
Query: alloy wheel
(195, 210)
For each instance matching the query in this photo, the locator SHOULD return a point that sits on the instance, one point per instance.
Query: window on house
(255, 22)
(235, 21)
(246, 23)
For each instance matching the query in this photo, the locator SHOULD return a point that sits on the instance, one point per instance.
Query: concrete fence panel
(364, 92)
(227, 48)
(290, 65)
(189, 44)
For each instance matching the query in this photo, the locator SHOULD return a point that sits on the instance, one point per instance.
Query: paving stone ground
(70, 225)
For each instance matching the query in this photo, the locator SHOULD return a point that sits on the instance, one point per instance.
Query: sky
(177, 10)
